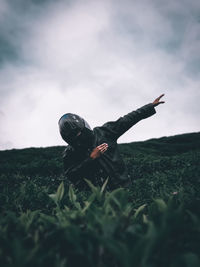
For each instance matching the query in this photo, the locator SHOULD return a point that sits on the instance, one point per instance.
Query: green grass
(45, 221)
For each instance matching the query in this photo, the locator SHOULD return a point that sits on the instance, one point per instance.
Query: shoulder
(104, 131)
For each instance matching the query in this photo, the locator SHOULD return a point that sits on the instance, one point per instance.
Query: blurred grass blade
(72, 195)
(138, 210)
(73, 198)
(162, 206)
(53, 197)
(60, 192)
(93, 188)
(103, 186)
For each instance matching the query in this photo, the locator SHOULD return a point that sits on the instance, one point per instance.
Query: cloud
(100, 60)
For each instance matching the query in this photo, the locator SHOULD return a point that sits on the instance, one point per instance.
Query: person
(93, 154)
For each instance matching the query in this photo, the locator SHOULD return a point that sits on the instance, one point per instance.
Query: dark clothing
(78, 164)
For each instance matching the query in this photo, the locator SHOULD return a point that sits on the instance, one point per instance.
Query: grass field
(45, 221)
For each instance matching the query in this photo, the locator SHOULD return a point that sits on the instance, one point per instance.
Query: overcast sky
(101, 60)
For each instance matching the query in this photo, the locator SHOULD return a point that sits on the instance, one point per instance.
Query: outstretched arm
(115, 129)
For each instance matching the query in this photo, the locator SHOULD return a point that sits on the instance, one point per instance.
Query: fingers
(103, 150)
(160, 96)
(156, 101)
(103, 147)
(161, 102)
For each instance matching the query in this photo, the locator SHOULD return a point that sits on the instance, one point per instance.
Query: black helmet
(75, 130)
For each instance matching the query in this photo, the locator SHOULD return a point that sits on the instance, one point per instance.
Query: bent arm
(116, 128)
(76, 171)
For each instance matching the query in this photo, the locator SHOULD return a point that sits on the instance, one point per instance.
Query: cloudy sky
(101, 60)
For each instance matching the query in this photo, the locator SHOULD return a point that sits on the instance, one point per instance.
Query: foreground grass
(155, 222)
(96, 227)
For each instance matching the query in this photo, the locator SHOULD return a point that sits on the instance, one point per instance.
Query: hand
(99, 150)
(156, 102)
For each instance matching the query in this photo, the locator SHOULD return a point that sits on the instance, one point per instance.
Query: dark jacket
(78, 164)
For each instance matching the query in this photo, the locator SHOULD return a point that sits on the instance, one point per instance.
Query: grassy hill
(45, 221)
(48, 161)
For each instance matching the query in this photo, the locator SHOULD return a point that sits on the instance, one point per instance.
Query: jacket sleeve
(116, 128)
(73, 169)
